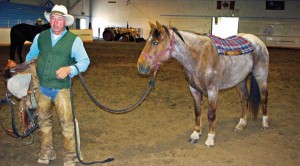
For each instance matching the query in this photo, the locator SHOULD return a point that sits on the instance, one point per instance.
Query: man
(57, 51)
(39, 22)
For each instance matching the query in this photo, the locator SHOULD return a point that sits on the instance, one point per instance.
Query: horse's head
(158, 49)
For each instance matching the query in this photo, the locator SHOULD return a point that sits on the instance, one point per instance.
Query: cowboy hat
(39, 19)
(60, 10)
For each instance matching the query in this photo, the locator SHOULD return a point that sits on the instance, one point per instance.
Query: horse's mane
(175, 30)
(197, 33)
(155, 32)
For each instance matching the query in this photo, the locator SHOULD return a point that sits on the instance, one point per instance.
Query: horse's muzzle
(143, 70)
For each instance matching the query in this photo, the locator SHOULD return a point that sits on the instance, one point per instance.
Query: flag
(225, 5)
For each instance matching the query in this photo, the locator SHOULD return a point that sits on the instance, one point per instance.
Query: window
(274, 5)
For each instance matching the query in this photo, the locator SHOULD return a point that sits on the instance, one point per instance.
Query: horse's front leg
(244, 95)
(212, 107)
(19, 51)
(197, 96)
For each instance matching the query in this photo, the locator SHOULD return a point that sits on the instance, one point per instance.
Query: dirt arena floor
(157, 132)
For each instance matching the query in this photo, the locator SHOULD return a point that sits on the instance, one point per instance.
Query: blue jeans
(49, 92)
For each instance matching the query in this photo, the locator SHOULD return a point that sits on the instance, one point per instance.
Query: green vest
(50, 59)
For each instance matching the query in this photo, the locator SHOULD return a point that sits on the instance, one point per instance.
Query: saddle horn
(6, 71)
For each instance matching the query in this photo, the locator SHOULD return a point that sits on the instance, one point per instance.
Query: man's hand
(63, 72)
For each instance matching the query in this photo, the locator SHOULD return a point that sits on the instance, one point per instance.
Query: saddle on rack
(21, 79)
(22, 82)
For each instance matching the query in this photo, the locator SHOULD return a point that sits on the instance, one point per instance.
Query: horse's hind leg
(260, 73)
(244, 95)
(197, 96)
(258, 97)
(263, 102)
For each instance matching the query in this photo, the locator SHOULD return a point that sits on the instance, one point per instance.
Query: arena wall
(278, 28)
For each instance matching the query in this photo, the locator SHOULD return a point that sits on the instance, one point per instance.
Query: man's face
(57, 23)
(39, 23)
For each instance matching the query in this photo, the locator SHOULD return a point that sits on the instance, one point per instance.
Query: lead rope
(76, 137)
(117, 111)
(151, 85)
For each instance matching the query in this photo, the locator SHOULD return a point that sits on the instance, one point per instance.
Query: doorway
(225, 26)
(81, 23)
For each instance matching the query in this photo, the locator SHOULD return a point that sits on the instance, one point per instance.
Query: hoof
(209, 146)
(194, 138)
(265, 127)
(265, 122)
(210, 141)
(238, 128)
(193, 141)
(241, 125)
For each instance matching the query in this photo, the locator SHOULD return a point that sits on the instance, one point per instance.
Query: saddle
(233, 45)
(21, 79)
(22, 82)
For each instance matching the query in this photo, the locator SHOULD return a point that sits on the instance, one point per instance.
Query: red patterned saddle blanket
(233, 45)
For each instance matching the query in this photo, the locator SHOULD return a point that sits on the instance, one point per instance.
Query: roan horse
(208, 72)
(21, 33)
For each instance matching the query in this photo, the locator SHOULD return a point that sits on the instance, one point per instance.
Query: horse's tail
(254, 97)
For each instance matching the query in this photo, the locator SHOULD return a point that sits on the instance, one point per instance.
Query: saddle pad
(233, 45)
(18, 85)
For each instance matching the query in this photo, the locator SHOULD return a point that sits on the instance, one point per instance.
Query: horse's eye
(154, 43)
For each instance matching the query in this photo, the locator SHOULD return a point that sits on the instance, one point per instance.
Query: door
(225, 26)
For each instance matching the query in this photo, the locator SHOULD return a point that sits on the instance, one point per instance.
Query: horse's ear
(159, 26)
(151, 25)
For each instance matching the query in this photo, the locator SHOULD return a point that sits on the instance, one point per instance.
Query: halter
(158, 56)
